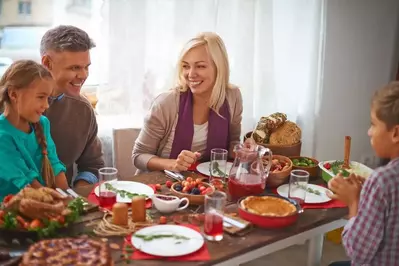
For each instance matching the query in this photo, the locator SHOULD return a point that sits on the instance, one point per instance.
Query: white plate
(168, 247)
(129, 186)
(203, 168)
(310, 197)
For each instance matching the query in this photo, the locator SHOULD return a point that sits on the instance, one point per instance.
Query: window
(24, 7)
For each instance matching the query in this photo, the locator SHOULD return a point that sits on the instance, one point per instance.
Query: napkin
(200, 255)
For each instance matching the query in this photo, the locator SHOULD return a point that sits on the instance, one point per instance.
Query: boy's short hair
(66, 38)
(386, 104)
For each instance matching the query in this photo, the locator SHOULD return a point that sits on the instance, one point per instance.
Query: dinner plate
(168, 246)
(203, 168)
(129, 186)
(310, 197)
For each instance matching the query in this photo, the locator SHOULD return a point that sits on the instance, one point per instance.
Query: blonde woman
(204, 111)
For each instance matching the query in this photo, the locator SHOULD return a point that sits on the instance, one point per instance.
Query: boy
(371, 237)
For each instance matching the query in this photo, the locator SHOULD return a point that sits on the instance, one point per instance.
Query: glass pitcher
(248, 174)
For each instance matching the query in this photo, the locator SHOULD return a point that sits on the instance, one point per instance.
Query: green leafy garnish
(336, 168)
(216, 169)
(310, 190)
(10, 220)
(152, 237)
(123, 193)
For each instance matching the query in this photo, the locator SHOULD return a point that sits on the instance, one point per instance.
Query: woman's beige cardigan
(163, 115)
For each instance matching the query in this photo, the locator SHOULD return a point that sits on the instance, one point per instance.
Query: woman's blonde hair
(217, 51)
(18, 77)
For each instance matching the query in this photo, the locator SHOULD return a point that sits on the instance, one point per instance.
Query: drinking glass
(218, 168)
(107, 197)
(298, 185)
(214, 209)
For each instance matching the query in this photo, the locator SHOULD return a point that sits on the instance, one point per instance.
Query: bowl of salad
(332, 168)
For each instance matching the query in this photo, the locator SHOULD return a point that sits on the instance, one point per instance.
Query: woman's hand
(185, 160)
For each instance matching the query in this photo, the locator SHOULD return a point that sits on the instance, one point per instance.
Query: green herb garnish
(122, 193)
(310, 190)
(336, 168)
(152, 237)
(216, 169)
(10, 220)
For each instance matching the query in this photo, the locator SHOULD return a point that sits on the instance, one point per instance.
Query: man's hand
(81, 183)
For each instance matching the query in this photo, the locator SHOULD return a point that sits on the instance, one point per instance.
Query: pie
(268, 206)
(68, 251)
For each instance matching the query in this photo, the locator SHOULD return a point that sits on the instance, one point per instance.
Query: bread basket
(285, 150)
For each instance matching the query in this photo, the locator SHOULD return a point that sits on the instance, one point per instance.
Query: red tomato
(158, 187)
(169, 183)
(7, 198)
(202, 188)
(327, 166)
(162, 220)
(35, 224)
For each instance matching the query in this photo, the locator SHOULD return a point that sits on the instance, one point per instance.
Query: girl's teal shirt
(21, 157)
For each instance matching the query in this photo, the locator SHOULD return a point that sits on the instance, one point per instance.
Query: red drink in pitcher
(107, 199)
(238, 189)
(213, 227)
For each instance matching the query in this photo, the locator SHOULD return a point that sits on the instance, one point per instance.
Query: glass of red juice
(106, 197)
(214, 209)
(298, 185)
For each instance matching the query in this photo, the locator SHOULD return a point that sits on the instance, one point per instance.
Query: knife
(233, 222)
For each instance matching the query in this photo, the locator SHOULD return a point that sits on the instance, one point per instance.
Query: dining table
(311, 225)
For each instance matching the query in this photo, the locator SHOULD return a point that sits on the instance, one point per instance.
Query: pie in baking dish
(268, 206)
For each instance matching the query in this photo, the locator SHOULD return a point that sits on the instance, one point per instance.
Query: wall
(360, 56)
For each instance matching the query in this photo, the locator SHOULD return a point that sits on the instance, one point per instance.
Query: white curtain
(274, 47)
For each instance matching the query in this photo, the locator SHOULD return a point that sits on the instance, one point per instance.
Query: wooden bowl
(314, 171)
(285, 150)
(194, 199)
(278, 178)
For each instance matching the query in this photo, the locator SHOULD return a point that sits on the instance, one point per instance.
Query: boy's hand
(346, 190)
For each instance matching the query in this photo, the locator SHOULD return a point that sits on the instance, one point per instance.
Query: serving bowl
(314, 171)
(277, 178)
(193, 199)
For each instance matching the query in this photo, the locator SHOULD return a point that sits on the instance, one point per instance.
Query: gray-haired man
(65, 51)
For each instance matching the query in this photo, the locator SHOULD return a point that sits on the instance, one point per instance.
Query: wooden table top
(229, 247)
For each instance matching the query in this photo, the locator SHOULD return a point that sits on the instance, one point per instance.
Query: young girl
(27, 152)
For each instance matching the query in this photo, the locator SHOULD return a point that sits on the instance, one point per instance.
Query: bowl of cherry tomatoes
(193, 189)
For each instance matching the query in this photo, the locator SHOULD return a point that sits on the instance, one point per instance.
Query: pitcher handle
(269, 155)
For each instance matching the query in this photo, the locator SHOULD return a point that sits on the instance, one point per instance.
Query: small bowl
(276, 179)
(193, 199)
(270, 221)
(314, 171)
(285, 150)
